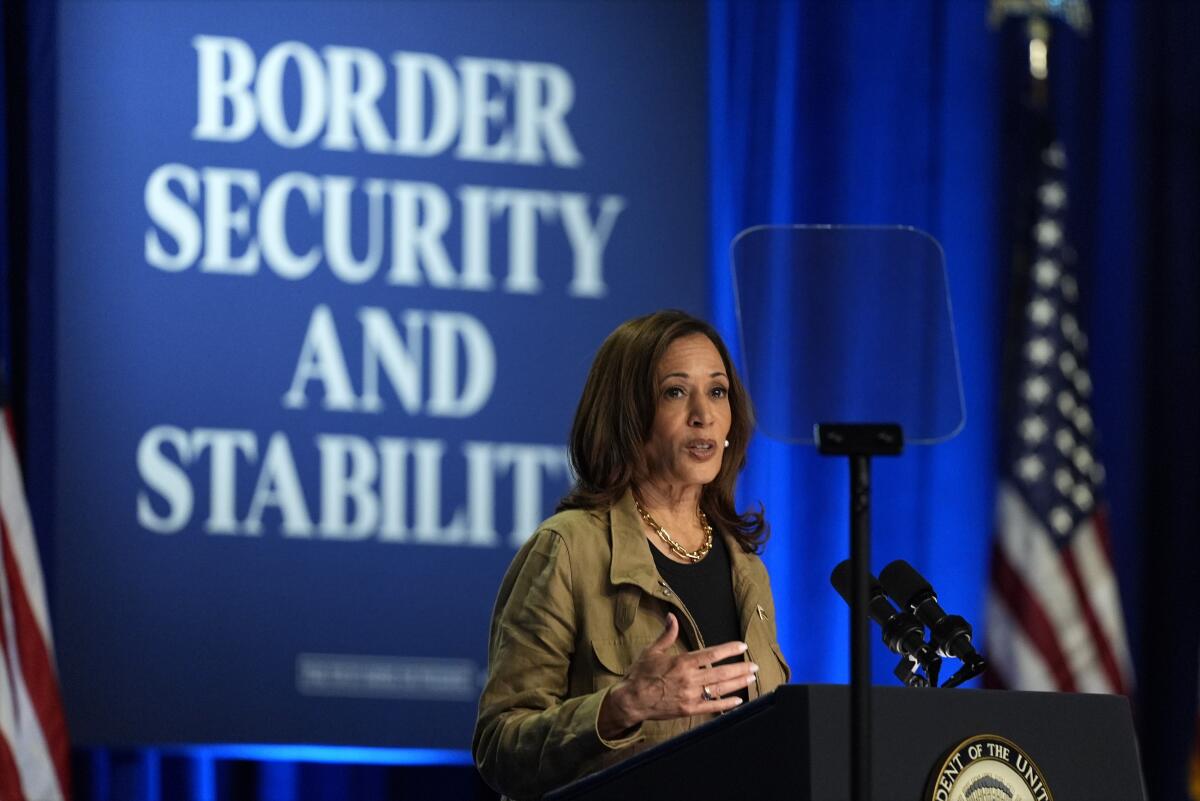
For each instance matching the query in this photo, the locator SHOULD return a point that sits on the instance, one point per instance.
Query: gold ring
(708, 695)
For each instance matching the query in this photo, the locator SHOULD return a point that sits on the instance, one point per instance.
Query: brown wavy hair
(616, 413)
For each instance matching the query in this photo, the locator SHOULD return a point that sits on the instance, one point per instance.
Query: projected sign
(329, 279)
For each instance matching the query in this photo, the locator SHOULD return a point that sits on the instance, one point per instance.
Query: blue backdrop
(849, 113)
(327, 286)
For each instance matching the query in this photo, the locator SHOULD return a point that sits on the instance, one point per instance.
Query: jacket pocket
(611, 660)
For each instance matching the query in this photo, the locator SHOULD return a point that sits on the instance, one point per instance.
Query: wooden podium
(794, 744)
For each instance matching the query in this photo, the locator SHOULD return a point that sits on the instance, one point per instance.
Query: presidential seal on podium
(988, 767)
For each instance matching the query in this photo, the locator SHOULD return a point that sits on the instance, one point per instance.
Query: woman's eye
(674, 392)
(720, 392)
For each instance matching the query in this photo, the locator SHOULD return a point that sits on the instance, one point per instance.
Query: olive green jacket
(580, 601)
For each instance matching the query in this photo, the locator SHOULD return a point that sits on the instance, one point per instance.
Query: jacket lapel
(631, 560)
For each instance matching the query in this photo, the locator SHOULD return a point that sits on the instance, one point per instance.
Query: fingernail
(753, 668)
(742, 647)
(739, 700)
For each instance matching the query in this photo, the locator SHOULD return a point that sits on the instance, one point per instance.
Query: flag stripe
(10, 774)
(37, 671)
(1095, 555)
(1098, 639)
(1031, 619)
(1044, 575)
(1019, 658)
(10, 777)
(32, 724)
(1103, 537)
(1032, 556)
(20, 729)
(16, 515)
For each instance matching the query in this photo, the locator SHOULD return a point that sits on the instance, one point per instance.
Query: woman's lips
(702, 449)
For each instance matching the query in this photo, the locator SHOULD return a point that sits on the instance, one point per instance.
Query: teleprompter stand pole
(859, 442)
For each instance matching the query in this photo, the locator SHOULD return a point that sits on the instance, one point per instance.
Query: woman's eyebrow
(677, 374)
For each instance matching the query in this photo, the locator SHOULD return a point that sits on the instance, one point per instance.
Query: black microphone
(951, 632)
(902, 633)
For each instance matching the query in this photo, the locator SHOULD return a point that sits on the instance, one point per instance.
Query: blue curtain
(909, 113)
(860, 112)
(852, 113)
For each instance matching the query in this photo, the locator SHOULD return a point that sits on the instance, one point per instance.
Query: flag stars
(1067, 363)
(1052, 195)
(1041, 311)
(1039, 351)
(1064, 482)
(1083, 421)
(1082, 459)
(1037, 390)
(1097, 473)
(1048, 233)
(1064, 440)
(1033, 429)
(1066, 403)
(1061, 519)
(1082, 382)
(1030, 468)
(1046, 272)
(1082, 497)
(1055, 156)
(1070, 288)
(1069, 326)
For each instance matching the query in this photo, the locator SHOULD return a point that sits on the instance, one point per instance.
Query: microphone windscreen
(903, 582)
(840, 579)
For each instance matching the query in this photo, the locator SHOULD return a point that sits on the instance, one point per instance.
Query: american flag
(1054, 619)
(34, 747)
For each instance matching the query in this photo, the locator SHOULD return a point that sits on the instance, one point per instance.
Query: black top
(706, 589)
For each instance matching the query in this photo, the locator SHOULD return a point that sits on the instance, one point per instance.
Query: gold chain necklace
(694, 556)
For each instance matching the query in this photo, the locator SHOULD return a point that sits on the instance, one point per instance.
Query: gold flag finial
(1038, 31)
(1037, 14)
(1075, 13)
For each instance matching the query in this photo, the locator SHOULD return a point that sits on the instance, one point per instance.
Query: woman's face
(692, 417)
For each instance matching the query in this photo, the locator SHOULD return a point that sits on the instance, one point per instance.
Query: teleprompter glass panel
(847, 324)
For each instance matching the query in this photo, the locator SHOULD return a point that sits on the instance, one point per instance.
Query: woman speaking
(640, 609)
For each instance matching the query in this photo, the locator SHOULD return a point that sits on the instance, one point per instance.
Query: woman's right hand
(660, 685)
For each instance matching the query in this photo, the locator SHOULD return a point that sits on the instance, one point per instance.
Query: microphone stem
(860, 643)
